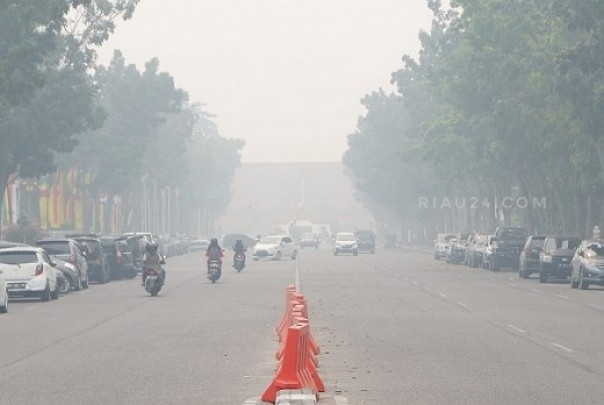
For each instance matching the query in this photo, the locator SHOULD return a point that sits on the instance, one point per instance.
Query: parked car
(588, 264)
(310, 240)
(507, 243)
(441, 245)
(96, 259)
(228, 241)
(475, 251)
(274, 247)
(28, 272)
(3, 293)
(346, 242)
(365, 240)
(69, 251)
(456, 252)
(529, 256)
(118, 256)
(68, 275)
(556, 256)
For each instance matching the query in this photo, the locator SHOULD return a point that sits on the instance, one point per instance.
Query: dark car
(506, 247)
(587, 266)
(529, 257)
(68, 276)
(96, 259)
(556, 257)
(456, 253)
(69, 251)
(365, 240)
(310, 240)
(119, 257)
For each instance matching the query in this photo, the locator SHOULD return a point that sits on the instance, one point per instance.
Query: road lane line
(564, 297)
(535, 290)
(340, 400)
(559, 346)
(443, 295)
(415, 283)
(513, 285)
(517, 329)
(427, 288)
(596, 306)
(461, 304)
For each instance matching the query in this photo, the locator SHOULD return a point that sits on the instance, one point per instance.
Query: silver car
(588, 264)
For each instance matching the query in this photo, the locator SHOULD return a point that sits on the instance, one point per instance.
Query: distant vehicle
(3, 293)
(310, 240)
(69, 251)
(588, 264)
(69, 275)
(28, 273)
(507, 244)
(119, 257)
(365, 240)
(197, 245)
(346, 242)
(475, 251)
(456, 251)
(529, 256)
(274, 247)
(441, 244)
(556, 256)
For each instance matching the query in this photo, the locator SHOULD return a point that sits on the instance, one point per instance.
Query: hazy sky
(286, 76)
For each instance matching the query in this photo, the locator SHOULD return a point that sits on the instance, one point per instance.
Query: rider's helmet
(213, 241)
(152, 247)
(239, 242)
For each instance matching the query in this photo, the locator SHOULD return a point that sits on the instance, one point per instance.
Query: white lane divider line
(596, 306)
(461, 304)
(427, 288)
(535, 290)
(340, 400)
(443, 295)
(564, 297)
(559, 346)
(513, 285)
(415, 283)
(517, 329)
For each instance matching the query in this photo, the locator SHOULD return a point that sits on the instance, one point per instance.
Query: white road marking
(596, 306)
(415, 283)
(559, 346)
(517, 329)
(444, 295)
(564, 297)
(461, 304)
(513, 285)
(535, 290)
(340, 400)
(427, 288)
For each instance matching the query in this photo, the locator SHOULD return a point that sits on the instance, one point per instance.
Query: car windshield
(18, 257)
(271, 240)
(346, 237)
(511, 234)
(56, 248)
(567, 243)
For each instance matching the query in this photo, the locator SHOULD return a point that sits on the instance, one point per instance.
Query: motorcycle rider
(153, 260)
(214, 252)
(239, 248)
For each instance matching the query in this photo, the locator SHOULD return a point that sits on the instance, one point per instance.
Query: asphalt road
(397, 327)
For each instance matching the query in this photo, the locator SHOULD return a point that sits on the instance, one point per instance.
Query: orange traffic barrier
(293, 372)
(289, 290)
(298, 317)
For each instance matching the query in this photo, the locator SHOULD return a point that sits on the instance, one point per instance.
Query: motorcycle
(153, 282)
(214, 270)
(239, 261)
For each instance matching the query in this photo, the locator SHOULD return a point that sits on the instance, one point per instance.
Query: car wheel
(45, 296)
(67, 285)
(493, 266)
(4, 306)
(278, 255)
(583, 284)
(356, 253)
(542, 275)
(77, 284)
(573, 283)
(294, 255)
(85, 283)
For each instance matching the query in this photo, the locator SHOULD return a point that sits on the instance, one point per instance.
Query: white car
(28, 272)
(3, 294)
(346, 242)
(275, 247)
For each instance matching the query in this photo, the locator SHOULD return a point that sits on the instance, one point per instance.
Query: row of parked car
(58, 265)
(554, 257)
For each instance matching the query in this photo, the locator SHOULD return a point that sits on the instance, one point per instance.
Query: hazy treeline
(126, 134)
(499, 119)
